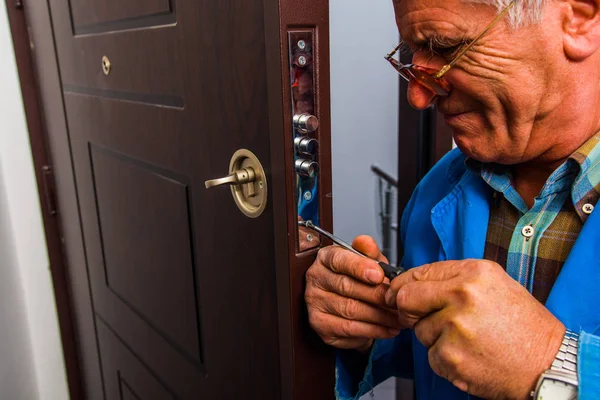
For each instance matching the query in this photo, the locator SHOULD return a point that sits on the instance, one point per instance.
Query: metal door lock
(305, 123)
(303, 64)
(248, 183)
(307, 168)
(305, 145)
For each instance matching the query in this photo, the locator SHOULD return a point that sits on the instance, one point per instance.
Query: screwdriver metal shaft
(389, 271)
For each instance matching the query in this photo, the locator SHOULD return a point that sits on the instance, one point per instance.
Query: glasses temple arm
(390, 57)
(447, 67)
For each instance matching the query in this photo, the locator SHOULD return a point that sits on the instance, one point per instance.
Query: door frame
(45, 188)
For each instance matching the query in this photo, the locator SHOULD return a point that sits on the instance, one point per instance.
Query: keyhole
(105, 65)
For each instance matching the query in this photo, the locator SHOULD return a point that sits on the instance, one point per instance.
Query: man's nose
(419, 97)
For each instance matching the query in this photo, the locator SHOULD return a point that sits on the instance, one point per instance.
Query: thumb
(366, 245)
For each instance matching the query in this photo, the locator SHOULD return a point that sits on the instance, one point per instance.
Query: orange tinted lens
(403, 73)
(401, 68)
(424, 77)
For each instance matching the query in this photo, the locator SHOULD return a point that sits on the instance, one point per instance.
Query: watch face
(553, 389)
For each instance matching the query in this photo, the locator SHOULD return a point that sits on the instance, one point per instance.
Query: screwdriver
(389, 271)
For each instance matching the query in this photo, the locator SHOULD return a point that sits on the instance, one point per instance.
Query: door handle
(248, 183)
(238, 177)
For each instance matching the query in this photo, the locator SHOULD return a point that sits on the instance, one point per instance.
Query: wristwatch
(560, 381)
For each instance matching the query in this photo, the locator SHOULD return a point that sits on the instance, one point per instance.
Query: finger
(367, 245)
(332, 326)
(429, 329)
(445, 360)
(439, 271)
(347, 343)
(320, 279)
(419, 299)
(345, 262)
(357, 310)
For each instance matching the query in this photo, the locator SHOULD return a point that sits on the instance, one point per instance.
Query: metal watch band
(566, 359)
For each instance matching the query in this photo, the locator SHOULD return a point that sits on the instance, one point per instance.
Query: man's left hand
(485, 332)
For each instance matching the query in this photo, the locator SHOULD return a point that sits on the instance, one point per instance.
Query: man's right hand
(345, 296)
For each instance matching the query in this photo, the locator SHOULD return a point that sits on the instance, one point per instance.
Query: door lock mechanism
(248, 183)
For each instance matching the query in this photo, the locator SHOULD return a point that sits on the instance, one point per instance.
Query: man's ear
(581, 28)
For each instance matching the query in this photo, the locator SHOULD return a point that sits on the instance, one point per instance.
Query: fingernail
(389, 298)
(373, 275)
(394, 332)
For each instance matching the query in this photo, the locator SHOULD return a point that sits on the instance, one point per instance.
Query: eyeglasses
(431, 79)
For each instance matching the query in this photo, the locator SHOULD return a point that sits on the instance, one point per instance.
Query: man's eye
(447, 52)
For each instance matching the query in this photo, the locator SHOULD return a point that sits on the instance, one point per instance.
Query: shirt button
(587, 208)
(528, 231)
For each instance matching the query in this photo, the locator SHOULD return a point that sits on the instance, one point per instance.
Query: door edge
(28, 83)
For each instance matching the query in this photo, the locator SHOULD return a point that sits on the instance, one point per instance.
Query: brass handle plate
(248, 183)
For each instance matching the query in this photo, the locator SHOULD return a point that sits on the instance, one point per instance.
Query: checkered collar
(580, 174)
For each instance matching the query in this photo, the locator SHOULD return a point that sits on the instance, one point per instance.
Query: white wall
(364, 118)
(364, 111)
(17, 374)
(32, 368)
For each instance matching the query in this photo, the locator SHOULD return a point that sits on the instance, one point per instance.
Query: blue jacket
(446, 219)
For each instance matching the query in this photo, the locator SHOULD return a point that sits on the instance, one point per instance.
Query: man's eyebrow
(442, 42)
(435, 42)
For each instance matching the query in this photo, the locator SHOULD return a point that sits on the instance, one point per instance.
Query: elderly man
(501, 298)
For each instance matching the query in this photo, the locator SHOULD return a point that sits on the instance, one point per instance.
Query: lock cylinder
(307, 168)
(305, 145)
(305, 123)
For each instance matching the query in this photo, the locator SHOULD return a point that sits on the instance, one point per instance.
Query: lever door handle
(247, 181)
(238, 177)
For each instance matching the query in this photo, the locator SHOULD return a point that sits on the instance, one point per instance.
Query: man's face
(507, 89)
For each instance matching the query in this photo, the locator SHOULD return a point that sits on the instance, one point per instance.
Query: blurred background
(364, 126)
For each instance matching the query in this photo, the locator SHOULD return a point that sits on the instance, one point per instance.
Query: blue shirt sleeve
(588, 365)
(390, 357)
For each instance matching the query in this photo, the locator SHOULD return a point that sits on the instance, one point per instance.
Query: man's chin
(481, 152)
(473, 140)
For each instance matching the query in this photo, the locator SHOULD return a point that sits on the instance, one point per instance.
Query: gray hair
(524, 12)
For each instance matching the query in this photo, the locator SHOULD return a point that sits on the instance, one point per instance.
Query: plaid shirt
(533, 244)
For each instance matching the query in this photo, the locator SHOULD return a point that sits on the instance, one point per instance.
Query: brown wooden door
(174, 293)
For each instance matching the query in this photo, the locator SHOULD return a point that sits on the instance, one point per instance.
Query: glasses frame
(430, 78)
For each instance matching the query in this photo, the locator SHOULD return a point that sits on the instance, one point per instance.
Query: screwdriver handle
(389, 271)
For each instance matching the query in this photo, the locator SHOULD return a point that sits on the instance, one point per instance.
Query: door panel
(86, 13)
(127, 378)
(145, 54)
(146, 247)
